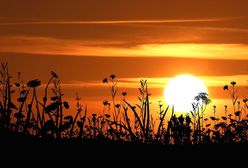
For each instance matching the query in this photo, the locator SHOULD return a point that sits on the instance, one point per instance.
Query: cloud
(209, 81)
(98, 22)
(156, 86)
(53, 46)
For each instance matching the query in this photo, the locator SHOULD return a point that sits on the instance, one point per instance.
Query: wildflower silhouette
(43, 116)
(34, 83)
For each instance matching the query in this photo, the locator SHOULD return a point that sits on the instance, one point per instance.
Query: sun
(181, 91)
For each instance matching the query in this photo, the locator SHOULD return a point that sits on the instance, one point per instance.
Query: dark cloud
(121, 9)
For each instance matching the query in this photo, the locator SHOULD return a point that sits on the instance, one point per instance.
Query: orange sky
(85, 41)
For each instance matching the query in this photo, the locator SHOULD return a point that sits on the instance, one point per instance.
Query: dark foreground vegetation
(97, 152)
(27, 118)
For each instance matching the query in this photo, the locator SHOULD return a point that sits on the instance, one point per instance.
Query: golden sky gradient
(85, 41)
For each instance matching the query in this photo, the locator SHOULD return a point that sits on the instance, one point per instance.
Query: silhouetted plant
(162, 114)
(112, 85)
(233, 93)
(200, 106)
(46, 118)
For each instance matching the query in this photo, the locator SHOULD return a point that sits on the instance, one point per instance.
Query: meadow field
(42, 117)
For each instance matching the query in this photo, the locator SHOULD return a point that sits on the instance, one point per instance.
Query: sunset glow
(52, 46)
(169, 74)
(152, 41)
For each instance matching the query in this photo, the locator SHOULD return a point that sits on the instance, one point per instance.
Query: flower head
(34, 83)
(112, 76)
(237, 113)
(233, 83)
(17, 84)
(117, 106)
(225, 87)
(66, 105)
(105, 103)
(213, 118)
(223, 117)
(107, 115)
(105, 80)
(124, 94)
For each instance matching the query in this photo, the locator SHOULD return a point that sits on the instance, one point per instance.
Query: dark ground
(24, 147)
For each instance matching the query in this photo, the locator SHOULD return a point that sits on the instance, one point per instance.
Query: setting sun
(181, 91)
(158, 74)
